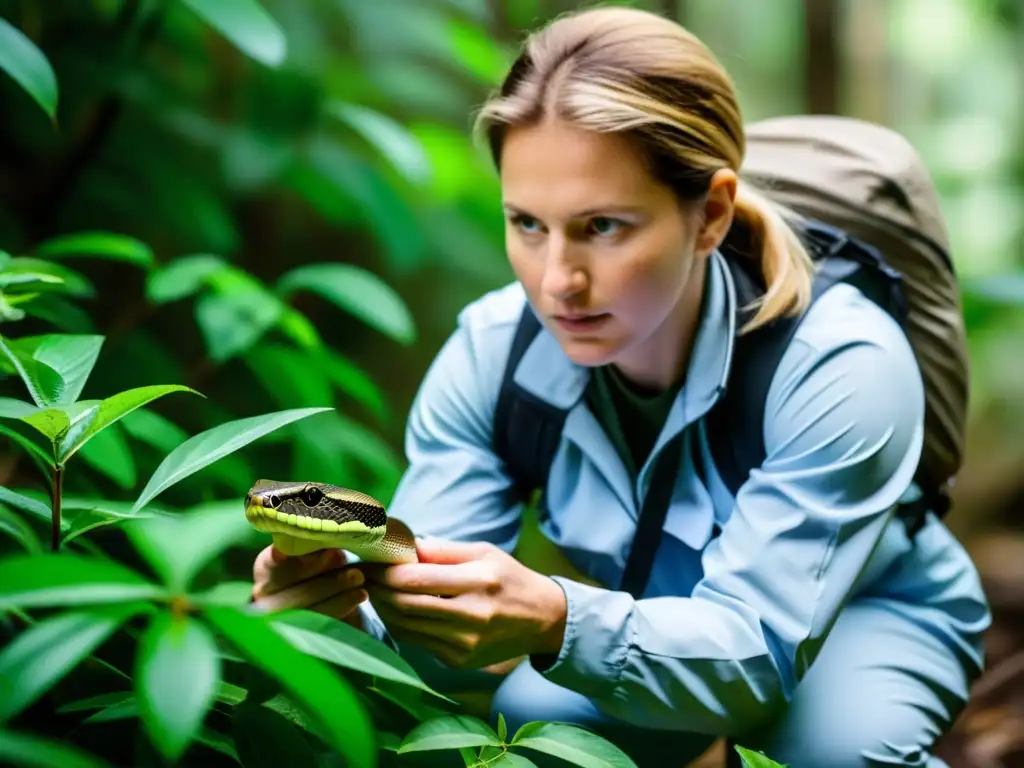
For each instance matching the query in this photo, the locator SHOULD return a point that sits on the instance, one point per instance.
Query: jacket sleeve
(843, 431)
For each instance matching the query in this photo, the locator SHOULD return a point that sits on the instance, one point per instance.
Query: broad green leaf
(391, 138)
(753, 759)
(60, 278)
(123, 710)
(108, 245)
(33, 581)
(477, 51)
(9, 279)
(15, 527)
(265, 739)
(38, 658)
(234, 322)
(226, 593)
(340, 716)
(28, 67)
(575, 745)
(15, 409)
(449, 732)
(22, 749)
(55, 366)
(176, 674)
(246, 24)
(178, 546)
(182, 277)
(1001, 289)
(33, 506)
(52, 423)
(86, 515)
(108, 453)
(109, 411)
(353, 381)
(358, 292)
(207, 447)
(154, 430)
(510, 760)
(44, 459)
(338, 643)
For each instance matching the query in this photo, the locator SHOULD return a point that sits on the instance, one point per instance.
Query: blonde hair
(617, 69)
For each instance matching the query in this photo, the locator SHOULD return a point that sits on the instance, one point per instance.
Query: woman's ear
(716, 214)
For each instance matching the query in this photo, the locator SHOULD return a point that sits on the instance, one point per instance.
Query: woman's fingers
(341, 606)
(313, 591)
(273, 572)
(435, 579)
(413, 603)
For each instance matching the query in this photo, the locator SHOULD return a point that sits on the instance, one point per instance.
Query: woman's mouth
(582, 323)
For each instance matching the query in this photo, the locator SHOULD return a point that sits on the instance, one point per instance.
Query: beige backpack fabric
(870, 182)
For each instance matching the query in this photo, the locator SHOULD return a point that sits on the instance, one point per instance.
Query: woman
(812, 626)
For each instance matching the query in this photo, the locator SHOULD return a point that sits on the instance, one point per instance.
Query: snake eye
(311, 496)
(275, 501)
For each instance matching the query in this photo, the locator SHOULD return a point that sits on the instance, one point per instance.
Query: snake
(304, 517)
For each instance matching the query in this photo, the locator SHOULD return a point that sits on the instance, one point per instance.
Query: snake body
(303, 517)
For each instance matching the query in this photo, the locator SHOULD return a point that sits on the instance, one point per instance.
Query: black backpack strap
(735, 425)
(526, 428)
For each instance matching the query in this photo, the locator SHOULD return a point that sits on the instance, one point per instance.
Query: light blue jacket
(729, 624)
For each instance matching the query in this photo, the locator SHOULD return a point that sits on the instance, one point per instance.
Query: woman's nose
(563, 276)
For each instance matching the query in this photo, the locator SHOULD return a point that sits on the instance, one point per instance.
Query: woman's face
(610, 260)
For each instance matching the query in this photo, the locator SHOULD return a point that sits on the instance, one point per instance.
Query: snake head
(306, 501)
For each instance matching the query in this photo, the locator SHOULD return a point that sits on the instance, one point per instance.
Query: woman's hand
(470, 604)
(321, 581)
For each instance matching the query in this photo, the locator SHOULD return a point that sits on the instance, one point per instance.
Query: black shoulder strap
(526, 428)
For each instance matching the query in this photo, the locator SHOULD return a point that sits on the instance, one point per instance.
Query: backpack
(862, 201)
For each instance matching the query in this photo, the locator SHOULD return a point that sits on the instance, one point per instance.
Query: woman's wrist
(555, 613)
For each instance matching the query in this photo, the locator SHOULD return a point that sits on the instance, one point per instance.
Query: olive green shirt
(630, 415)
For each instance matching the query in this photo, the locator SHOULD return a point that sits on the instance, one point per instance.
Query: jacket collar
(549, 375)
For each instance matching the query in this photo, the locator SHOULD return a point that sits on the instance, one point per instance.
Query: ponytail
(785, 264)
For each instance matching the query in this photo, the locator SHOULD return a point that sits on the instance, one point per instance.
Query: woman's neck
(660, 362)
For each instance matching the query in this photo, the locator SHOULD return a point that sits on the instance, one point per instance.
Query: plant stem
(55, 500)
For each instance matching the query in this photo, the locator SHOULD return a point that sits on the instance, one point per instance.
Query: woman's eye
(604, 226)
(526, 223)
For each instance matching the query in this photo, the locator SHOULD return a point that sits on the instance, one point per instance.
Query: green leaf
(226, 593)
(510, 760)
(177, 670)
(59, 278)
(178, 546)
(207, 447)
(15, 409)
(353, 381)
(338, 643)
(357, 291)
(182, 277)
(44, 458)
(38, 658)
(449, 732)
(246, 24)
(104, 244)
(502, 728)
(100, 701)
(343, 722)
(402, 149)
(87, 515)
(998, 289)
(15, 526)
(52, 423)
(110, 410)
(265, 739)
(25, 503)
(32, 581)
(108, 453)
(573, 744)
(231, 323)
(753, 759)
(54, 367)
(154, 430)
(28, 67)
(20, 749)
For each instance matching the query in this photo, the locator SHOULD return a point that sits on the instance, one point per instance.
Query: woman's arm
(844, 427)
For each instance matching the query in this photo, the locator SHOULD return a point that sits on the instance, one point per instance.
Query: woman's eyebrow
(592, 211)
